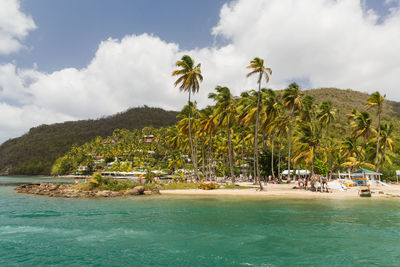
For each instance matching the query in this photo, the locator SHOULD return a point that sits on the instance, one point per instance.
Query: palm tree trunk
(256, 169)
(194, 160)
(203, 155)
(263, 140)
(210, 161)
(230, 152)
(290, 143)
(279, 156)
(312, 164)
(272, 155)
(377, 145)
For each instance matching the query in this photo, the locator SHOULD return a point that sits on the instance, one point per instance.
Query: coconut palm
(386, 131)
(189, 78)
(376, 100)
(292, 102)
(257, 67)
(307, 112)
(308, 138)
(361, 126)
(208, 127)
(225, 115)
(326, 114)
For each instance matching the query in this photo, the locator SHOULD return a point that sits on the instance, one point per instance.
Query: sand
(287, 191)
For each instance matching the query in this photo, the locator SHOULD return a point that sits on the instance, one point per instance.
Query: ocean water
(196, 231)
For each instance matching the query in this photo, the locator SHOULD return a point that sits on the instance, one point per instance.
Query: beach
(287, 191)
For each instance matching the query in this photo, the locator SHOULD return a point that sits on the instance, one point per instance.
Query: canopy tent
(298, 172)
(363, 176)
(366, 172)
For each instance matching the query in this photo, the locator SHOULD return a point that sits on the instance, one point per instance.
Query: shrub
(209, 186)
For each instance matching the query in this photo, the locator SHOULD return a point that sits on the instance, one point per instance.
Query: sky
(69, 59)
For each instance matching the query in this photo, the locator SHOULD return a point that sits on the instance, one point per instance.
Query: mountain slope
(35, 152)
(345, 100)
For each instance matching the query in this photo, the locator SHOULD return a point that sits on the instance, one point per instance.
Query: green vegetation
(325, 130)
(36, 151)
(208, 186)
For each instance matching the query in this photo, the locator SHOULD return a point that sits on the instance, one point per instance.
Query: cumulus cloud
(14, 26)
(330, 43)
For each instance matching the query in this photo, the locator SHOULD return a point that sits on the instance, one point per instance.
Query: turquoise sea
(201, 231)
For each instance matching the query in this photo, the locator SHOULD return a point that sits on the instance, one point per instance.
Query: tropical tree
(292, 102)
(257, 67)
(189, 78)
(308, 139)
(225, 116)
(376, 100)
(386, 131)
(326, 114)
(361, 126)
(208, 127)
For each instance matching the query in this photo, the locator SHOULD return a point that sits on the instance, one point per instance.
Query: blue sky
(57, 62)
(69, 31)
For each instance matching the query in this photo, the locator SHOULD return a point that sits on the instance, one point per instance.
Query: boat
(365, 192)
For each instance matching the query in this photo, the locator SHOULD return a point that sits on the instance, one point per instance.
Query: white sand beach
(287, 191)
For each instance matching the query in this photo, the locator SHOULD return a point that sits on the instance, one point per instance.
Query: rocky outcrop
(68, 191)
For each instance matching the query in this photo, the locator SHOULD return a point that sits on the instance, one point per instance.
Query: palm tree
(207, 127)
(326, 114)
(257, 67)
(308, 139)
(281, 125)
(376, 100)
(292, 102)
(189, 78)
(361, 125)
(225, 112)
(386, 138)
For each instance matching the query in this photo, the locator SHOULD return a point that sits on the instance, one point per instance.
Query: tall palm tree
(292, 102)
(271, 113)
(257, 67)
(361, 125)
(386, 138)
(208, 127)
(308, 139)
(225, 115)
(281, 125)
(326, 114)
(189, 78)
(376, 100)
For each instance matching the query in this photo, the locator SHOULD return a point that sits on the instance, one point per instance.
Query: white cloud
(333, 43)
(14, 26)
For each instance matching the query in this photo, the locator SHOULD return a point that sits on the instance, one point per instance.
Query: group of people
(314, 183)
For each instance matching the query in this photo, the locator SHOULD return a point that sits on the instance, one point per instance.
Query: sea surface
(195, 231)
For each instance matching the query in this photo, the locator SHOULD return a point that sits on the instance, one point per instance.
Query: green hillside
(345, 100)
(36, 151)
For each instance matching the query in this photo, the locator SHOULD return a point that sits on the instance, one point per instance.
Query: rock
(115, 194)
(53, 187)
(147, 192)
(140, 189)
(155, 191)
(132, 192)
(104, 193)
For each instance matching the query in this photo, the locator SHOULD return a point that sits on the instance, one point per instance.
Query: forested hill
(345, 100)
(36, 151)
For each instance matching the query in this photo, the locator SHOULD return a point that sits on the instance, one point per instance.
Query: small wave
(21, 229)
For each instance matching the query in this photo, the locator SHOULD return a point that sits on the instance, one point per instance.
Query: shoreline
(273, 191)
(286, 191)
